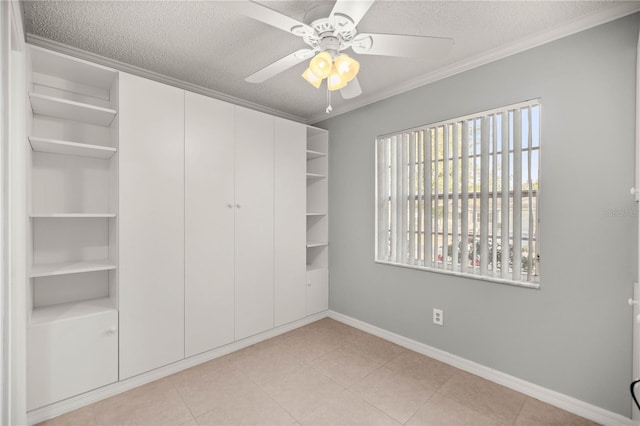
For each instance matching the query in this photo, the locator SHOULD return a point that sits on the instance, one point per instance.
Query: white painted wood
(254, 223)
(315, 176)
(73, 356)
(311, 244)
(209, 223)
(72, 310)
(317, 290)
(151, 228)
(289, 221)
(51, 290)
(54, 146)
(64, 268)
(14, 230)
(317, 200)
(64, 130)
(70, 184)
(55, 64)
(71, 215)
(71, 110)
(311, 154)
(69, 240)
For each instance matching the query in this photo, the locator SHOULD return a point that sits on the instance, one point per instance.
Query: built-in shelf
(311, 154)
(316, 214)
(71, 215)
(66, 268)
(54, 146)
(65, 311)
(314, 268)
(311, 244)
(315, 176)
(71, 110)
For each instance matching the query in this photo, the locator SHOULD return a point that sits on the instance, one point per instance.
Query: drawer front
(69, 357)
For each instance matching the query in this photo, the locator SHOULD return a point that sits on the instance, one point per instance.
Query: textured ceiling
(210, 44)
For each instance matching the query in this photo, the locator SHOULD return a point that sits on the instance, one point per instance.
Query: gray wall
(573, 335)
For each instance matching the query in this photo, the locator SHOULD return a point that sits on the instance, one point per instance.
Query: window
(461, 196)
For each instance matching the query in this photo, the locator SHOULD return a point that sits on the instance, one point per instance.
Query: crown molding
(572, 27)
(151, 75)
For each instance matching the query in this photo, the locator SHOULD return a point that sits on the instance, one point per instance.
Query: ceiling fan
(329, 35)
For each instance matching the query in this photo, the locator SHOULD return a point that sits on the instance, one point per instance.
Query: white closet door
(254, 223)
(151, 237)
(290, 221)
(209, 223)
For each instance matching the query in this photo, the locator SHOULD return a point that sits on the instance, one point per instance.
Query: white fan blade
(401, 45)
(354, 9)
(280, 65)
(272, 17)
(351, 90)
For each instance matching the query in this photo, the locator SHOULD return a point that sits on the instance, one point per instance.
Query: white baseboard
(62, 407)
(557, 399)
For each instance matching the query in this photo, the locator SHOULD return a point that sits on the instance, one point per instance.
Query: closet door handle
(238, 205)
(230, 205)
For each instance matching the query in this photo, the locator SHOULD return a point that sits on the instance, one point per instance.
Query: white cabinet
(163, 224)
(73, 355)
(72, 335)
(151, 225)
(289, 221)
(253, 222)
(317, 290)
(209, 223)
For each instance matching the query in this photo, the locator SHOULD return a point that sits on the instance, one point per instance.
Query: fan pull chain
(329, 107)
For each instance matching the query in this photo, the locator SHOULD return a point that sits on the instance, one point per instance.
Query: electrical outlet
(438, 316)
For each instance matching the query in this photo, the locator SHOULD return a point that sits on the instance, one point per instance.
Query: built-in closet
(165, 225)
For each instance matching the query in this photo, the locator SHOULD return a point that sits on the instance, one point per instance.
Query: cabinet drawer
(71, 356)
(317, 290)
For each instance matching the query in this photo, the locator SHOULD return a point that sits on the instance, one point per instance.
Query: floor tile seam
(186, 405)
(420, 408)
(354, 384)
(524, 401)
(489, 414)
(295, 419)
(380, 410)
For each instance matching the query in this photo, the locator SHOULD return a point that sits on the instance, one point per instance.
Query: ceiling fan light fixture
(311, 78)
(347, 67)
(320, 65)
(336, 80)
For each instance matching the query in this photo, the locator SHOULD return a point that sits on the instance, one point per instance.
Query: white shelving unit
(73, 256)
(54, 146)
(66, 268)
(72, 215)
(52, 106)
(70, 311)
(317, 220)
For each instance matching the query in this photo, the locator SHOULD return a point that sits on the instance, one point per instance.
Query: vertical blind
(461, 196)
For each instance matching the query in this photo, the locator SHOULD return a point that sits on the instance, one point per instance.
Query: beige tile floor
(325, 373)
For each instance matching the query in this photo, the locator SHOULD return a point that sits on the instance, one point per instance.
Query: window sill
(522, 284)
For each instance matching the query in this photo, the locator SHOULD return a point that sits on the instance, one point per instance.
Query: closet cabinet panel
(289, 221)
(71, 356)
(151, 293)
(209, 223)
(254, 223)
